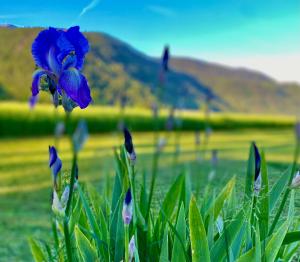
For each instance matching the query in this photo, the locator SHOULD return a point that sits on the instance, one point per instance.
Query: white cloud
(89, 7)
(161, 10)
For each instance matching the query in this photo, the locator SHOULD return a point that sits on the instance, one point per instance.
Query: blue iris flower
(59, 55)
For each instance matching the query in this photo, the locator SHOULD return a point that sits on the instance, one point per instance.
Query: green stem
(126, 243)
(153, 179)
(67, 240)
(72, 181)
(287, 191)
(55, 235)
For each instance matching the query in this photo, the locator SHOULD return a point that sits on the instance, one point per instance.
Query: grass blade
(199, 244)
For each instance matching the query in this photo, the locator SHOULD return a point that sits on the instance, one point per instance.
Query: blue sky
(263, 35)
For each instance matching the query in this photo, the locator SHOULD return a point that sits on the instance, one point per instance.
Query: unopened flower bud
(65, 196)
(57, 207)
(54, 163)
(257, 177)
(129, 146)
(127, 208)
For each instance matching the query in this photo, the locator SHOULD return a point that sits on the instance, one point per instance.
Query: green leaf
(249, 256)
(75, 215)
(220, 199)
(254, 254)
(275, 242)
(120, 233)
(86, 250)
(291, 237)
(277, 238)
(186, 190)
(218, 250)
(250, 175)
(168, 206)
(36, 250)
(278, 188)
(263, 201)
(238, 242)
(257, 244)
(164, 253)
(199, 244)
(178, 253)
(91, 217)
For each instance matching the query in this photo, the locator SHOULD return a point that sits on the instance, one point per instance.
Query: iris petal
(54, 65)
(76, 87)
(80, 43)
(33, 100)
(36, 81)
(52, 155)
(42, 45)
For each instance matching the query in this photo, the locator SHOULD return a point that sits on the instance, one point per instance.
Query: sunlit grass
(25, 179)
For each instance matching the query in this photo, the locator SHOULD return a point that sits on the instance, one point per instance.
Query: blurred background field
(25, 180)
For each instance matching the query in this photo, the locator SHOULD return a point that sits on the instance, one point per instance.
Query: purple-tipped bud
(165, 59)
(131, 248)
(127, 208)
(257, 161)
(257, 177)
(54, 163)
(80, 136)
(129, 146)
(297, 130)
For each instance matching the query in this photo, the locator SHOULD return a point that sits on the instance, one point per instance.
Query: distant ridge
(115, 69)
(8, 26)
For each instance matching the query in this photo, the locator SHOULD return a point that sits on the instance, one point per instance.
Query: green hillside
(115, 69)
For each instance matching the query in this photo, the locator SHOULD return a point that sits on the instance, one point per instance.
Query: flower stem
(153, 179)
(287, 191)
(67, 240)
(72, 181)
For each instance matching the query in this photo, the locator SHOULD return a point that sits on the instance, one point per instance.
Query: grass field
(41, 121)
(25, 178)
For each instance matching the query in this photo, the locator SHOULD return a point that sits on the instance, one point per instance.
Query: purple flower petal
(52, 155)
(81, 44)
(36, 81)
(76, 87)
(41, 46)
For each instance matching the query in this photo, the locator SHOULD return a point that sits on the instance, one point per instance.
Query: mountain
(115, 69)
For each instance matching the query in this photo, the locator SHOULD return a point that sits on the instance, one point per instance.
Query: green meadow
(102, 119)
(25, 179)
